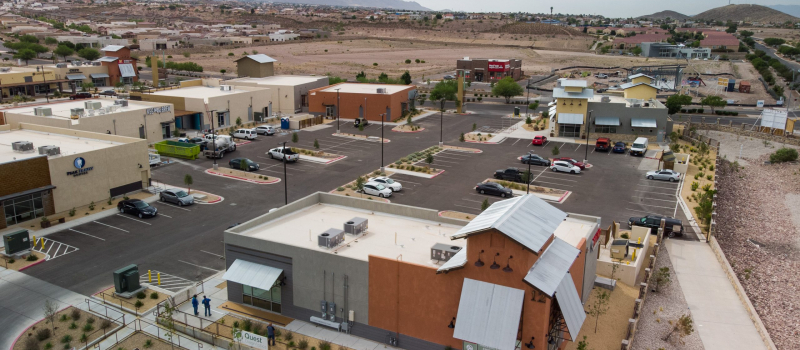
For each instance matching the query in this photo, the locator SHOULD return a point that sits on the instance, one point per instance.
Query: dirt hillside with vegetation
(747, 13)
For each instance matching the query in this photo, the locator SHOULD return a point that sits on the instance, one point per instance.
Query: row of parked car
(382, 187)
(605, 144)
(143, 209)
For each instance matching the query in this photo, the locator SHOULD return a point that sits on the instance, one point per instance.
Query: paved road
(771, 52)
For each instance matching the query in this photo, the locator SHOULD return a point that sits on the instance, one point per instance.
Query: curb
(484, 142)
(29, 327)
(34, 264)
(461, 150)
(328, 162)
(418, 130)
(243, 143)
(334, 191)
(439, 173)
(211, 172)
(385, 140)
(453, 211)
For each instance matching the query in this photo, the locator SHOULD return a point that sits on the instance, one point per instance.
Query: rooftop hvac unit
(5, 69)
(637, 105)
(22, 146)
(330, 238)
(619, 249)
(356, 226)
(100, 111)
(76, 63)
(49, 150)
(90, 112)
(443, 252)
(76, 112)
(121, 103)
(42, 111)
(605, 99)
(381, 90)
(92, 105)
(226, 88)
(61, 65)
(97, 63)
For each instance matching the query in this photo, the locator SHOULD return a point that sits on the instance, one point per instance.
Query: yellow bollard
(639, 240)
(149, 277)
(42, 244)
(633, 257)
(159, 278)
(34, 241)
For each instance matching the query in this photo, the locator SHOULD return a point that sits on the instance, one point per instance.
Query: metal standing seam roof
(561, 93)
(488, 314)
(126, 69)
(260, 58)
(113, 48)
(107, 59)
(548, 271)
(526, 219)
(98, 75)
(76, 76)
(612, 121)
(570, 118)
(456, 261)
(573, 83)
(639, 75)
(570, 304)
(643, 123)
(631, 85)
(252, 274)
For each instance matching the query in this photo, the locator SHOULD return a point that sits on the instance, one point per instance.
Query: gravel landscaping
(140, 340)
(70, 328)
(752, 148)
(668, 304)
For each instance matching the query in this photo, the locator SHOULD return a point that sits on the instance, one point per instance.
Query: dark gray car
(179, 197)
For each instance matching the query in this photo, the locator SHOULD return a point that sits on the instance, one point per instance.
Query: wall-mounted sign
(760, 103)
(497, 66)
(80, 167)
(254, 340)
(159, 110)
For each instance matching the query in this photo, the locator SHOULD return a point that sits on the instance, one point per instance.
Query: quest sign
(159, 110)
(254, 340)
(498, 66)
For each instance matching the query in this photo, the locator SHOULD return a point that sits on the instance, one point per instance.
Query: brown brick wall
(351, 103)
(24, 175)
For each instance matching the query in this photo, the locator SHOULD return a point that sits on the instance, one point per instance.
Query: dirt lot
(786, 34)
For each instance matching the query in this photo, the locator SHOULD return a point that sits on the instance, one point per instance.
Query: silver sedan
(666, 174)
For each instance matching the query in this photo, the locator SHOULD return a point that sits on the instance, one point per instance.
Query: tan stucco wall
(286, 98)
(250, 68)
(61, 73)
(641, 92)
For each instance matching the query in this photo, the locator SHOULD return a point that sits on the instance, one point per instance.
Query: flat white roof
(69, 145)
(61, 110)
(388, 235)
(288, 80)
(198, 92)
(18, 70)
(571, 230)
(573, 83)
(357, 88)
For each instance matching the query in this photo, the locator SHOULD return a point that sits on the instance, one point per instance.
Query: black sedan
(243, 164)
(137, 207)
(494, 189)
(534, 159)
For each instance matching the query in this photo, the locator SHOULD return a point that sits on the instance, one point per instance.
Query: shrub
(87, 328)
(75, 314)
(105, 324)
(625, 235)
(324, 345)
(695, 185)
(700, 110)
(32, 258)
(340, 189)
(91, 205)
(706, 187)
(302, 344)
(72, 212)
(48, 346)
(783, 155)
(141, 295)
(31, 344)
(711, 167)
(138, 304)
(66, 339)
(63, 318)
(148, 343)
(288, 336)
(375, 64)
(154, 295)
(247, 325)
(43, 334)
(90, 320)
(709, 177)
(696, 176)
(230, 53)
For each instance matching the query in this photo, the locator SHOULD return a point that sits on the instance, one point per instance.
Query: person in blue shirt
(206, 306)
(270, 334)
(195, 303)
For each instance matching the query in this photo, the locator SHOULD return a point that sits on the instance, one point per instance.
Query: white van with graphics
(639, 147)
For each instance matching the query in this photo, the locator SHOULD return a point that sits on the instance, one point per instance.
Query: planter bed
(244, 176)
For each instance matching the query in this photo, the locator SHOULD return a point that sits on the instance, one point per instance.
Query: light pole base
(215, 166)
(383, 169)
(585, 161)
(441, 144)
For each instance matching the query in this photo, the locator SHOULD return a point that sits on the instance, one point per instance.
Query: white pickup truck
(280, 153)
(217, 145)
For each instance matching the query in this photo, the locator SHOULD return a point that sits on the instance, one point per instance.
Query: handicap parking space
(53, 248)
(166, 281)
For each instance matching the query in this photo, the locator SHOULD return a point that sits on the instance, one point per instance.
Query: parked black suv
(510, 174)
(673, 226)
(137, 207)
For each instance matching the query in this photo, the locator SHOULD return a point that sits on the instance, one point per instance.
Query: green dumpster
(178, 149)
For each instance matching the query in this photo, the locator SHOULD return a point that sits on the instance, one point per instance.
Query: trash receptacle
(516, 111)
(285, 123)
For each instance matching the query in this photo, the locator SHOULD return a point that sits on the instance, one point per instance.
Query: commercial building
(28, 81)
(153, 121)
(357, 100)
(255, 66)
(289, 92)
(78, 73)
(515, 275)
(488, 70)
(657, 49)
(634, 113)
(121, 66)
(226, 102)
(47, 170)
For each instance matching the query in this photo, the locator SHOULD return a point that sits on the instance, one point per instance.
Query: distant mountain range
(392, 4)
(747, 12)
(665, 14)
(792, 10)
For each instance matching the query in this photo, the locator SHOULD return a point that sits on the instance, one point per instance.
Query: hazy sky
(608, 8)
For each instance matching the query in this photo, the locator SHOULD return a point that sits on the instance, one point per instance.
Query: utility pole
(588, 124)
(285, 185)
(337, 111)
(530, 153)
(383, 117)
(47, 89)
(528, 98)
(441, 125)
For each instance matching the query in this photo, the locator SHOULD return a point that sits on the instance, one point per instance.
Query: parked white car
(666, 174)
(376, 189)
(387, 182)
(265, 130)
(566, 167)
(280, 152)
(247, 134)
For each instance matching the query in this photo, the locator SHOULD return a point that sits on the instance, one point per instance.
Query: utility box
(516, 111)
(330, 238)
(126, 279)
(619, 249)
(17, 241)
(356, 226)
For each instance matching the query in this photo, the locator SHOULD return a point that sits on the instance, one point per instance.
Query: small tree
(243, 164)
(556, 151)
(429, 159)
(676, 102)
(25, 55)
(223, 71)
(683, 326)
(583, 344)
(50, 309)
(507, 88)
(238, 121)
(63, 51)
(714, 102)
(295, 137)
(461, 138)
(599, 307)
(485, 204)
(359, 186)
(188, 181)
(528, 120)
(165, 319)
(661, 278)
(89, 54)
(406, 77)
(783, 155)
(316, 144)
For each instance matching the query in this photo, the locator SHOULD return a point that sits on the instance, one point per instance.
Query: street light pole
(529, 173)
(337, 111)
(528, 98)
(285, 185)
(213, 135)
(47, 87)
(588, 124)
(383, 117)
(441, 125)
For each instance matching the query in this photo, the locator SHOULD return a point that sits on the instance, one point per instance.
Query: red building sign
(499, 66)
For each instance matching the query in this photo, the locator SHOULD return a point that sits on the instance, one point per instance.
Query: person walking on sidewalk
(206, 306)
(270, 335)
(195, 303)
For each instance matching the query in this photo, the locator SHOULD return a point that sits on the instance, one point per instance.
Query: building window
(127, 80)
(569, 130)
(607, 129)
(264, 299)
(99, 82)
(23, 208)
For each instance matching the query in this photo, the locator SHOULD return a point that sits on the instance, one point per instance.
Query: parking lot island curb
(414, 173)
(348, 136)
(35, 323)
(408, 132)
(212, 172)
(36, 263)
(322, 160)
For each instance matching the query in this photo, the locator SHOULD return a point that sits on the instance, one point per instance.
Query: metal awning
(570, 304)
(457, 261)
(76, 76)
(570, 118)
(126, 69)
(181, 113)
(643, 123)
(610, 121)
(98, 75)
(548, 271)
(252, 274)
(32, 191)
(488, 314)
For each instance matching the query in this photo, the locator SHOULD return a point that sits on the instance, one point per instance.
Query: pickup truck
(673, 226)
(280, 152)
(217, 145)
(510, 174)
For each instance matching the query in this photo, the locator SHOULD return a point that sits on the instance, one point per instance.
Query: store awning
(98, 75)
(570, 304)
(643, 123)
(76, 76)
(548, 271)
(252, 274)
(126, 69)
(488, 314)
(570, 118)
(181, 113)
(610, 121)
(30, 192)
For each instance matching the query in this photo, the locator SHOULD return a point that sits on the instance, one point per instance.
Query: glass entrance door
(569, 130)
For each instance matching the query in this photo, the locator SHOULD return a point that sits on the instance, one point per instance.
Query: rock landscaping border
(241, 177)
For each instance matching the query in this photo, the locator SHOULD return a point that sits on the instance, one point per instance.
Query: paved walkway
(720, 318)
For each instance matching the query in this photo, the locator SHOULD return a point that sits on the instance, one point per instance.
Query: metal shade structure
(126, 70)
(252, 274)
(457, 261)
(607, 121)
(548, 271)
(98, 75)
(76, 76)
(570, 304)
(570, 118)
(488, 314)
(643, 123)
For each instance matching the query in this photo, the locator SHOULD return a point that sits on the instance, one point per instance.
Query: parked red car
(573, 162)
(539, 140)
(80, 95)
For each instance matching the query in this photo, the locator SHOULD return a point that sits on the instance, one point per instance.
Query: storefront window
(569, 130)
(23, 208)
(264, 299)
(605, 129)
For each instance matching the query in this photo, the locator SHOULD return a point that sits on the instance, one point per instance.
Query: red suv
(603, 144)
(80, 95)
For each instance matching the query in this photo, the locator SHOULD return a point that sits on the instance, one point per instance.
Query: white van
(639, 147)
(248, 134)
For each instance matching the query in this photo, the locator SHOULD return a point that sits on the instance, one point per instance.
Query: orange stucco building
(121, 66)
(362, 100)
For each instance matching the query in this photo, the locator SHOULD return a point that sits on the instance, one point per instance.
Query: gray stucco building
(666, 50)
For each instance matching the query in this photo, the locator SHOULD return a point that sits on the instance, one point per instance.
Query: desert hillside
(666, 14)
(748, 13)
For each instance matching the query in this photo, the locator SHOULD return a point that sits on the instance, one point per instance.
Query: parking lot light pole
(383, 117)
(337, 111)
(529, 180)
(588, 124)
(285, 186)
(441, 125)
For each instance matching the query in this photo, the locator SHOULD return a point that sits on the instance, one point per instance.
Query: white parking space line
(540, 174)
(545, 144)
(662, 200)
(211, 253)
(406, 181)
(73, 230)
(562, 145)
(123, 216)
(116, 228)
(173, 283)
(449, 157)
(463, 206)
(445, 161)
(171, 205)
(558, 178)
(165, 215)
(579, 147)
(658, 193)
(49, 244)
(555, 183)
(650, 205)
(202, 267)
(515, 142)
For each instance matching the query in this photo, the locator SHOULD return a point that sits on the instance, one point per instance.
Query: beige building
(255, 66)
(227, 103)
(76, 75)
(289, 92)
(86, 167)
(151, 120)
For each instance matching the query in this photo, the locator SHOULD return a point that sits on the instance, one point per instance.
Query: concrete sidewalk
(720, 318)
